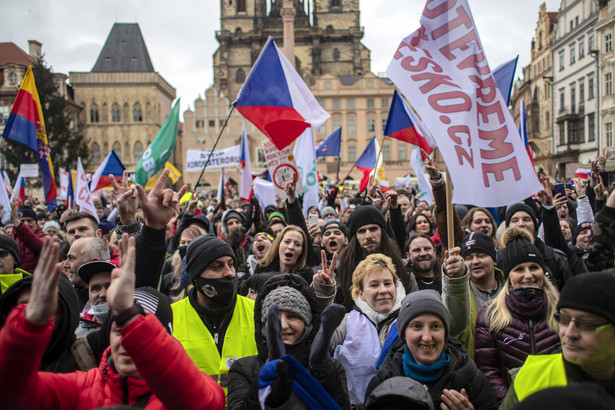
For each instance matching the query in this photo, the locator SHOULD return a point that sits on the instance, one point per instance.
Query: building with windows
(125, 102)
(575, 86)
(604, 28)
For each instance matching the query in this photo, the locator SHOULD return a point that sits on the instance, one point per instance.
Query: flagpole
(378, 159)
(450, 234)
(212, 151)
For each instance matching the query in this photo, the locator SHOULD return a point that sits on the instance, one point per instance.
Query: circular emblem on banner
(284, 172)
(209, 291)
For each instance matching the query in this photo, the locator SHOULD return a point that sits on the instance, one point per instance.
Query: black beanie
(204, 250)
(27, 212)
(579, 228)
(514, 208)
(6, 242)
(478, 242)
(590, 292)
(519, 249)
(365, 215)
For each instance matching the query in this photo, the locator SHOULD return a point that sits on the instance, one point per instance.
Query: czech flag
(19, 190)
(330, 147)
(110, 166)
(246, 167)
(26, 126)
(504, 76)
(401, 127)
(367, 162)
(582, 173)
(523, 130)
(276, 100)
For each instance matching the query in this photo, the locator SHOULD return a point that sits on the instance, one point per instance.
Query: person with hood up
(426, 353)
(519, 320)
(132, 371)
(298, 310)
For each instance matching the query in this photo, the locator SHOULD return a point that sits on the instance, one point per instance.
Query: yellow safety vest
(10, 278)
(540, 372)
(198, 342)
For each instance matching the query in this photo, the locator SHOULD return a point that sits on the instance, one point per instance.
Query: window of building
(608, 83)
(94, 115)
(350, 104)
(115, 112)
(608, 134)
(591, 127)
(582, 130)
(221, 123)
(581, 48)
(573, 98)
(12, 77)
(336, 3)
(572, 53)
(137, 112)
(137, 151)
(590, 43)
(402, 152)
(386, 152)
(562, 133)
(352, 153)
(581, 90)
(117, 148)
(384, 103)
(5, 111)
(548, 119)
(608, 43)
(241, 6)
(384, 124)
(371, 125)
(95, 153)
(337, 123)
(212, 123)
(573, 132)
(328, 85)
(590, 87)
(571, 25)
(370, 103)
(337, 104)
(561, 60)
(336, 54)
(260, 155)
(351, 126)
(200, 123)
(240, 76)
(562, 100)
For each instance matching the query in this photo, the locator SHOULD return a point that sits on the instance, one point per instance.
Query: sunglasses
(582, 325)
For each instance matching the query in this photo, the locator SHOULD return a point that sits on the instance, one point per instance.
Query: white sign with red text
(83, 196)
(282, 167)
(442, 71)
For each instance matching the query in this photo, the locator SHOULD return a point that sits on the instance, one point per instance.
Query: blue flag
(504, 76)
(330, 147)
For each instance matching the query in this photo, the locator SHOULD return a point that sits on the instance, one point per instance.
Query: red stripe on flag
(281, 124)
(25, 106)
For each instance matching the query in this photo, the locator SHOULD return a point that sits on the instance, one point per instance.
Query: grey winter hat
(419, 303)
(328, 210)
(289, 299)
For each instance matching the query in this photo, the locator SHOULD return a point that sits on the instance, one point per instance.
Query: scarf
(425, 373)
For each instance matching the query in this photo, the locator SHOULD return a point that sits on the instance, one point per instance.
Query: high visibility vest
(198, 342)
(10, 278)
(540, 372)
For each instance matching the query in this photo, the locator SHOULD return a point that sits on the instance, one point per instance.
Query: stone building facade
(125, 102)
(605, 30)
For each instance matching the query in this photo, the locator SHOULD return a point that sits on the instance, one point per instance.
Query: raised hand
(275, 341)
(546, 195)
(431, 168)
(14, 214)
(599, 190)
(454, 262)
(579, 187)
(125, 199)
(290, 188)
(559, 200)
(391, 197)
(160, 205)
(121, 292)
(192, 203)
(44, 290)
(325, 275)
(315, 234)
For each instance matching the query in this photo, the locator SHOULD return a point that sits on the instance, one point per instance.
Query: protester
(287, 254)
(172, 284)
(9, 263)
(519, 321)
(480, 220)
(423, 262)
(97, 276)
(28, 235)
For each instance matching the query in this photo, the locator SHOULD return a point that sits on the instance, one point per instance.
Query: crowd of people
(168, 300)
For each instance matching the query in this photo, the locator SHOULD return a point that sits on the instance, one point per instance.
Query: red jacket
(30, 244)
(167, 371)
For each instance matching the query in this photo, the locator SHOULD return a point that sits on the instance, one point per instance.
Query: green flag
(160, 149)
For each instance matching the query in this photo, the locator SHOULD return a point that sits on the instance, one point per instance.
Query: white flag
(305, 157)
(264, 192)
(416, 162)
(4, 200)
(83, 196)
(63, 184)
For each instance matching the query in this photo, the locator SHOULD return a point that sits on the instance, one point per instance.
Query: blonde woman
(287, 254)
(519, 321)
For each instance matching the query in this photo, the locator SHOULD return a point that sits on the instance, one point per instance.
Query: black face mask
(529, 293)
(220, 291)
(182, 251)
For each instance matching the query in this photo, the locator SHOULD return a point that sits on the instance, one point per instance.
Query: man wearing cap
(9, 262)
(214, 324)
(586, 317)
(97, 276)
(28, 235)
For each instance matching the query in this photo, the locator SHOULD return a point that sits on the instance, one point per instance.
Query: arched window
(137, 113)
(94, 116)
(117, 147)
(115, 112)
(137, 151)
(95, 153)
(12, 77)
(240, 76)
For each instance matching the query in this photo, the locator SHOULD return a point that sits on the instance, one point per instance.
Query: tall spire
(288, 18)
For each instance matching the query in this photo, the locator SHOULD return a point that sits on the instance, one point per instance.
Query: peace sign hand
(325, 275)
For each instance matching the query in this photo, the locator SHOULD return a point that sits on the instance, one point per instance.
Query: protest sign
(195, 159)
(282, 167)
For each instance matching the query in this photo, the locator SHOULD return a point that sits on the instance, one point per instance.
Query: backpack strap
(83, 355)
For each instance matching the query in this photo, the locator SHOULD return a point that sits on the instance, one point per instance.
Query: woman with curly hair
(480, 220)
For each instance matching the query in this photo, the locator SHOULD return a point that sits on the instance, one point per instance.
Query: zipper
(532, 342)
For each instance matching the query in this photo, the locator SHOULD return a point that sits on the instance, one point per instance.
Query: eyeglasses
(582, 325)
(3, 253)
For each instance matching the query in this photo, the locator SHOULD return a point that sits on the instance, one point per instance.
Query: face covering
(220, 291)
(182, 251)
(99, 310)
(530, 293)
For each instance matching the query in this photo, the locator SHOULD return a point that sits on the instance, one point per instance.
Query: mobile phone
(559, 189)
(313, 219)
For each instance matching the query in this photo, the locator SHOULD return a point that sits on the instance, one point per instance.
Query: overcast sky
(180, 34)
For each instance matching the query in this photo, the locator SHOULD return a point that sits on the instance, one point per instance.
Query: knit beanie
(519, 248)
(51, 224)
(276, 214)
(419, 303)
(231, 213)
(514, 208)
(579, 228)
(365, 215)
(290, 299)
(478, 242)
(590, 292)
(204, 250)
(328, 210)
(6, 242)
(27, 212)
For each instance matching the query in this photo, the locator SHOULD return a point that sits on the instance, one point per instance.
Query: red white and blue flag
(110, 166)
(401, 127)
(246, 167)
(276, 100)
(367, 162)
(7, 182)
(26, 126)
(19, 190)
(523, 130)
(583, 173)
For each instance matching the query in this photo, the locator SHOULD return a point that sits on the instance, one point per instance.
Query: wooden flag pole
(450, 234)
